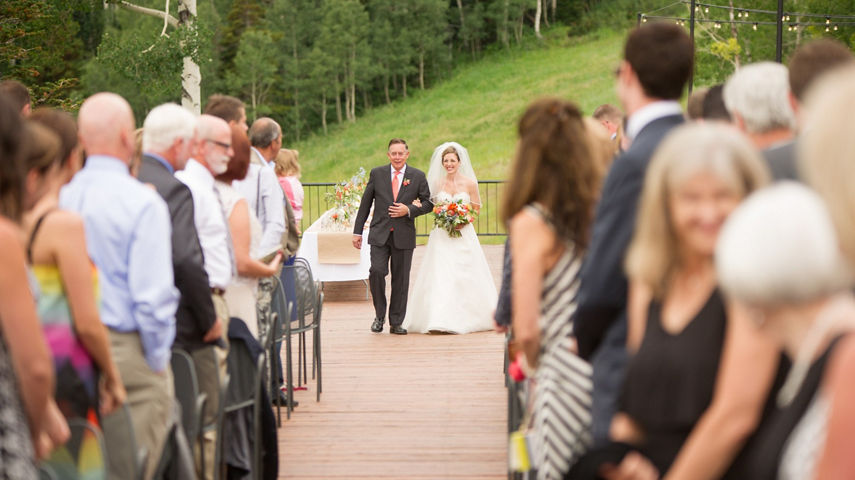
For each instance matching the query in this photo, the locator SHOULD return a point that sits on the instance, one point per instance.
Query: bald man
(128, 235)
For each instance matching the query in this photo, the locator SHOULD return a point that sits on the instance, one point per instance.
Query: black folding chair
(65, 461)
(124, 459)
(191, 400)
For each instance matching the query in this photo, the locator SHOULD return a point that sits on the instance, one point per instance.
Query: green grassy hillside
(477, 107)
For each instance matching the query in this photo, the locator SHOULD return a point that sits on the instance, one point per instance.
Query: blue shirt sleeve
(272, 208)
(153, 294)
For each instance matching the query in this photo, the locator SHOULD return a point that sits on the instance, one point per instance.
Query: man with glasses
(210, 157)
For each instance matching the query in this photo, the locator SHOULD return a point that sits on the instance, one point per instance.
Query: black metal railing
(487, 224)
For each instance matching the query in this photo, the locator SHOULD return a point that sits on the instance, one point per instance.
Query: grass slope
(478, 107)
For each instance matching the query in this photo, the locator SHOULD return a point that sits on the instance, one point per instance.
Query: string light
(835, 28)
(706, 9)
(827, 20)
(754, 27)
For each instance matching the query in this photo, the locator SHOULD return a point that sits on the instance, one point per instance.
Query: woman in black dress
(778, 258)
(678, 321)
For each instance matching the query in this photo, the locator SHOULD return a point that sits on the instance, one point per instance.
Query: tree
(191, 76)
(254, 70)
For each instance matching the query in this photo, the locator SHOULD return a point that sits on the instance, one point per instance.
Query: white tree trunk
(537, 14)
(191, 76)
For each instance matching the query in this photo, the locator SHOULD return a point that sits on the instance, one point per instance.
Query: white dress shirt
(211, 225)
(265, 199)
(400, 175)
(647, 114)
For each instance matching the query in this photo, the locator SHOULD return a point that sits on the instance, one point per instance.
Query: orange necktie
(395, 184)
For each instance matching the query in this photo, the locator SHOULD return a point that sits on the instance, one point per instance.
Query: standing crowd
(105, 274)
(686, 312)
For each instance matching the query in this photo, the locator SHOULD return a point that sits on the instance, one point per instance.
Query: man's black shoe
(397, 330)
(377, 325)
(283, 399)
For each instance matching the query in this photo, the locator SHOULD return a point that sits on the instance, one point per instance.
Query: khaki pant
(150, 395)
(210, 363)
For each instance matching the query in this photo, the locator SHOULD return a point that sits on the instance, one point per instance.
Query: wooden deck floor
(415, 406)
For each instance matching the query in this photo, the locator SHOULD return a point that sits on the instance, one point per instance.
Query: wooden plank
(414, 406)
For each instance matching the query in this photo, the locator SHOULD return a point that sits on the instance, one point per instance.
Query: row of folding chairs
(296, 289)
(92, 452)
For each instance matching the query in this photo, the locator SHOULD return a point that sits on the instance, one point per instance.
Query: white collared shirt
(211, 225)
(400, 176)
(265, 199)
(647, 114)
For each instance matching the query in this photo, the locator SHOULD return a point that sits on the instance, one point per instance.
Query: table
(330, 272)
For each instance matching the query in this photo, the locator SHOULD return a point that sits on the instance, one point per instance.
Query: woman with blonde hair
(827, 161)
(288, 170)
(684, 339)
(548, 207)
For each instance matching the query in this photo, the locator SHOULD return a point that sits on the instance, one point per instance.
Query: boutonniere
(406, 182)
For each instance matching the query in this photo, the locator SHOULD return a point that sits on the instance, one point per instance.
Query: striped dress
(561, 413)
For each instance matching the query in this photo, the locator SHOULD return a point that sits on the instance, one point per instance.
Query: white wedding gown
(454, 291)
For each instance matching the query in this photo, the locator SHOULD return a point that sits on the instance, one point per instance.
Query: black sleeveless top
(670, 380)
(761, 457)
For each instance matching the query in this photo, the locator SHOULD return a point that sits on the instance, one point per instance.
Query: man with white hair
(168, 138)
(757, 97)
(210, 154)
(128, 238)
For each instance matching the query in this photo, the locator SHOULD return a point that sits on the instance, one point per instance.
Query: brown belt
(218, 291)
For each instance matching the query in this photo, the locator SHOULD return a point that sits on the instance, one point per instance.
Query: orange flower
(452, 206)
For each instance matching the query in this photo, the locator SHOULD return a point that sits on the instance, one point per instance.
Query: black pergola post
(692, 35)
(779, 40)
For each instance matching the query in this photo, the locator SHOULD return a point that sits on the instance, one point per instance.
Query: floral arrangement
(453, 216)
(344, 200)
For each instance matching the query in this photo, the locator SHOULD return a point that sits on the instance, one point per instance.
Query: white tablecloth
(329, 272)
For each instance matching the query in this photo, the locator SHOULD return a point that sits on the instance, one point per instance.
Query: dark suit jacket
(379, 191)
(195, 314)
(782, 161)
(603, 288)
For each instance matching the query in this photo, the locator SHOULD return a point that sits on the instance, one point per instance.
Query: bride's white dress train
(454, 291)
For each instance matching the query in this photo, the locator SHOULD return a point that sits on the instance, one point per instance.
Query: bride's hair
(555, 167)
(447, 151)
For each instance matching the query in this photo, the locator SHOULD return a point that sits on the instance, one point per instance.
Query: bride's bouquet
(453, 216)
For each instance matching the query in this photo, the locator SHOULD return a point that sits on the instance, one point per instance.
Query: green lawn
(477, 107)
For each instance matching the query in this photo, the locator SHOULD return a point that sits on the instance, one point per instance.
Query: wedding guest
(800, 297)
(714, 108)
(128, 238)
(229, 108)
(18, 94)
(261, 188)
(695, 103)
(86, 375)
(652, 75)
(168, 139)
(211, 152)
(26, 372)
(757, 97)
(680, 333)
(611, 118)
(287, 168)
(809, 62)
(548, 209)
(827, 158)
(246, 236)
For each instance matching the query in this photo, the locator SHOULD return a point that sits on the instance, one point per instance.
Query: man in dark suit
(392, 189)
(650, 80)
(168, 138)
(168, 133)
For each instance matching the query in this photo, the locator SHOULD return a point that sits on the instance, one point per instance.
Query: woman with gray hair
(777, 259)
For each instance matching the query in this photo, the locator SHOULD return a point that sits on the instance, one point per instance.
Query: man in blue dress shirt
(128, 235)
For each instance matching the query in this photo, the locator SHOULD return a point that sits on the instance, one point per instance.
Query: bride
(454, 291)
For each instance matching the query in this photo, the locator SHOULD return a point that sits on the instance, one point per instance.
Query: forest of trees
(308, 63)
(313, 63)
